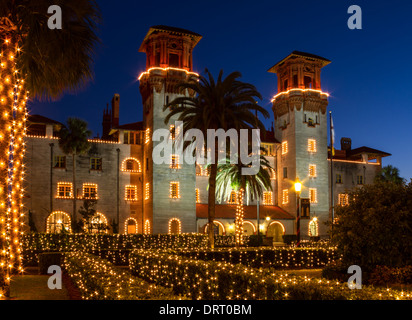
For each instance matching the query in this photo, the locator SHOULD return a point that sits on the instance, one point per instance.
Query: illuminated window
(131, 193)
(197, 195)
(175, 226)
(147, 229)
(89, 191)
(272, 174)
(130, 226)
(284, 147)
(198, 170)
(338, 178)
(311, 145)
(64, 190)
(174, 190)
(313, 195)
(57, 222)
(59, 162)
(97, 224)
(313, 228)
(343, 199)
(233, 197)
(174, 161)
(96, 163)
(147, 135)
(267, 198)
(285, 173)
(147, 191)
(312, 170)
(172, 131)
(359, 179)
(285, 197)
(131, 165)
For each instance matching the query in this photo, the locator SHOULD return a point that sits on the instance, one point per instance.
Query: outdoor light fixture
(298, 188)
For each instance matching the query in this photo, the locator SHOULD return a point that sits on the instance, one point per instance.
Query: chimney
(346, 144)
(115, 110)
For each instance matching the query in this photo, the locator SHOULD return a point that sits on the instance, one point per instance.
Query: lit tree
(223, 104)
(230, 178)
(35, 62)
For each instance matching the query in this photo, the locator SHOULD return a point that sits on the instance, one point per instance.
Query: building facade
(135, 194)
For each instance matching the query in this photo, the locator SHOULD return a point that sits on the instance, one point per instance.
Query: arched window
(130, 226)
(275, 230)
(58, 222)
(131, 165)
(313, 228)
(198, 170)
(175, 226)
(232, 198)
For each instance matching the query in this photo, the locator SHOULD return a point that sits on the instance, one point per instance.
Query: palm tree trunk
(212, 198)
(74, 218)
(239, 217)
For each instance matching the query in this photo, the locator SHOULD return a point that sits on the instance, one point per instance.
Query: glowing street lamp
(298, 189)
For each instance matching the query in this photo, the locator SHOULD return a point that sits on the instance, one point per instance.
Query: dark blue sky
(369, 79)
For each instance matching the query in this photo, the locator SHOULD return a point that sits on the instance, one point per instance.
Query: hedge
(113, 247)
(284, 258)
(212, 280)
(98, 279)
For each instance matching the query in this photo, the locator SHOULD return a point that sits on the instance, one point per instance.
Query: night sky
(369, 79)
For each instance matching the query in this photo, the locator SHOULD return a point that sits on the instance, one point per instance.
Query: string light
(173, 229)
(174, 192)
(166, 69)
(130, 193)
(300, 90)
(126, 225)
(132, 165)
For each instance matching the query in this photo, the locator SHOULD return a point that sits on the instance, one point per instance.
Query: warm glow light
(166, 69)
(298, 186)
(301, 90)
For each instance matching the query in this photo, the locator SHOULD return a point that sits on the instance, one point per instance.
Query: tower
(168, 63)
(301, 126)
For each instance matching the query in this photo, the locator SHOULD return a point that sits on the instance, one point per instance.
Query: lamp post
(298, 188)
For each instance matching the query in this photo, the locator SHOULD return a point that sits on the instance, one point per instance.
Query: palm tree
(389, 173)
(230, 178)
(36, 62)
(73, 140)
(223, 104)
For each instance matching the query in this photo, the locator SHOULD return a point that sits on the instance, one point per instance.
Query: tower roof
(300, 54)
(171, 30)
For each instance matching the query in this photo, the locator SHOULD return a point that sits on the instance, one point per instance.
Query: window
(147, 135)
(174, 190)
(147, 229)
(311, 145)
(59, 162)
(359, 179)
(197, 195)
(131, 165)
(284, 147)
(312, 170)
(147, 164)
(308, 82)
(89, 191)
(97, 224)
(198, 170)
(147, 191)
(130, 226)
(175, 226)
(95, 163)
(233, 197)
(272, 174)
(131, 193)
(285, 197)
(313, 195)
(338, 178)
(343, 199)
(285, 173)
(173, 60)
(57, 222)
(267, 198)
(174, 161)
(313, 228)
(64, 190)
(172, 131)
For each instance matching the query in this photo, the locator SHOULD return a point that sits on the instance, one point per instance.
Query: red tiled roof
(228, 211)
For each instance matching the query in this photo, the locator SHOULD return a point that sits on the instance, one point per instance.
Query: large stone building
(145, 197)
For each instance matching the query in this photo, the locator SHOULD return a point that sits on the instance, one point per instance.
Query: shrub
(375, 227)
(289, 238)
(98, 279)
(383, 275)
(212, 280)
(4, 287)
(336, 271)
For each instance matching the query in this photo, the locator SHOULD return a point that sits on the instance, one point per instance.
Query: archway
(248, 228)
(219, 228)
(130, 226)
(175, 226)
(275, 230)
(57, 222)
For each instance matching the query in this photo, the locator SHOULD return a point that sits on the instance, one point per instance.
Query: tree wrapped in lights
(35, 62)
(230, 177)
